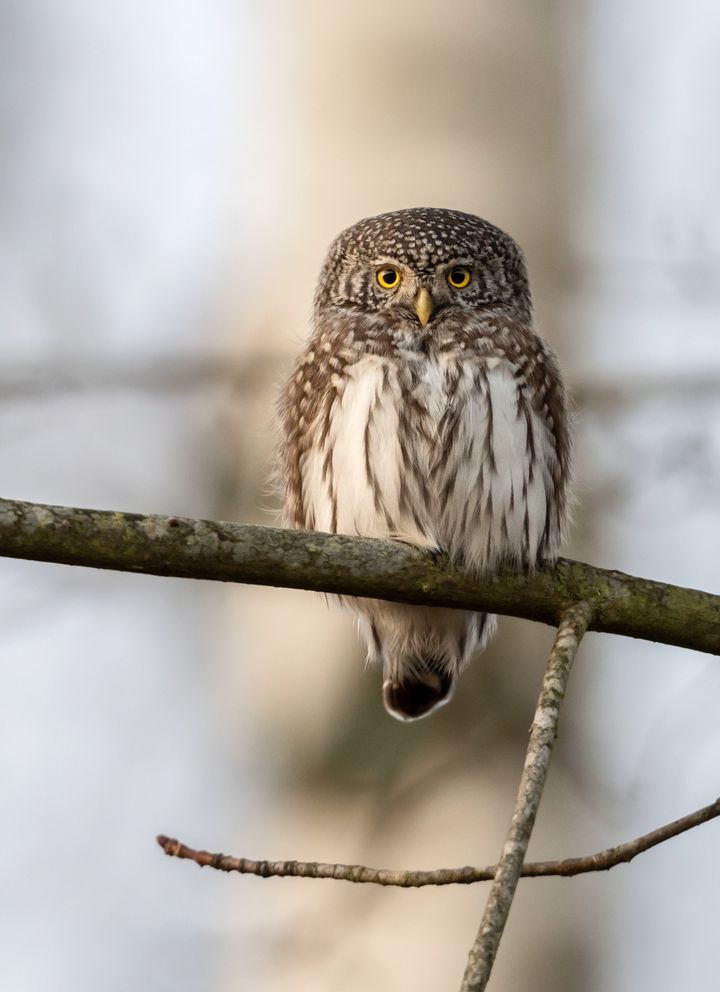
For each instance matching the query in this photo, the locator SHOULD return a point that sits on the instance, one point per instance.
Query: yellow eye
(458, 276)
(388, 277)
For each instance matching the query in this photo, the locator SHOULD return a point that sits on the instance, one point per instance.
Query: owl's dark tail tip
(417, 694)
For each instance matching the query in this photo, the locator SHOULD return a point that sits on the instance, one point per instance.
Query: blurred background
(171, 174)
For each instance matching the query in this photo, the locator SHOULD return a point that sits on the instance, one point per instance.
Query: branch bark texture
(407, 878)
(230, 552)
(543, 732)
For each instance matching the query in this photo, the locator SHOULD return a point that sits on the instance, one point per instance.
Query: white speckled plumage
(451, 436)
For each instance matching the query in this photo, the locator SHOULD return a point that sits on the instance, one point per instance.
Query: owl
(426, 408)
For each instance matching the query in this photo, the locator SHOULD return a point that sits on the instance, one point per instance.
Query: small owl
(427, 409)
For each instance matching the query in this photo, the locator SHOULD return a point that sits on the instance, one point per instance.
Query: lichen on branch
(358, 566)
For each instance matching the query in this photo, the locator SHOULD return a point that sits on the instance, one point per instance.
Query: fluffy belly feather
(439, 452)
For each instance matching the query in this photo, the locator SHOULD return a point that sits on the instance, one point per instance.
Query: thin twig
(356, 566)
(543, 732)
(410, 879)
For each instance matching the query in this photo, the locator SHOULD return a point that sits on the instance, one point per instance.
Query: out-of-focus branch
(573, 624)
(149, 374)
(410, 879)
(357, 566)
(252, 374)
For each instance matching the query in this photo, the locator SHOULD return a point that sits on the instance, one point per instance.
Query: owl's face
(422, 265)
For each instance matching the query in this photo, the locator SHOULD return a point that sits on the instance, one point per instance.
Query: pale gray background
(170, 175)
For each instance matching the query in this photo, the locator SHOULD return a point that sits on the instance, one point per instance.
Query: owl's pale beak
(423, 306)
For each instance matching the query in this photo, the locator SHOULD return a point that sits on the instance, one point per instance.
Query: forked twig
(409, 879)
(573, 624)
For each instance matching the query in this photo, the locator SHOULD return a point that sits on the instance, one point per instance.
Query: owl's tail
(422, 650)
(418, 692)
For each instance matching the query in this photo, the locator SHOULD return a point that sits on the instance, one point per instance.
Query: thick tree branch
(410, 879)
(543, 732)
(573, 595)
(229, 552)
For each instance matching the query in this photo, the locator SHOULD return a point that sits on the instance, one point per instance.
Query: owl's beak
(423, 306)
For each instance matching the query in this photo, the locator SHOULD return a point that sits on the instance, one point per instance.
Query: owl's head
(422, 265)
